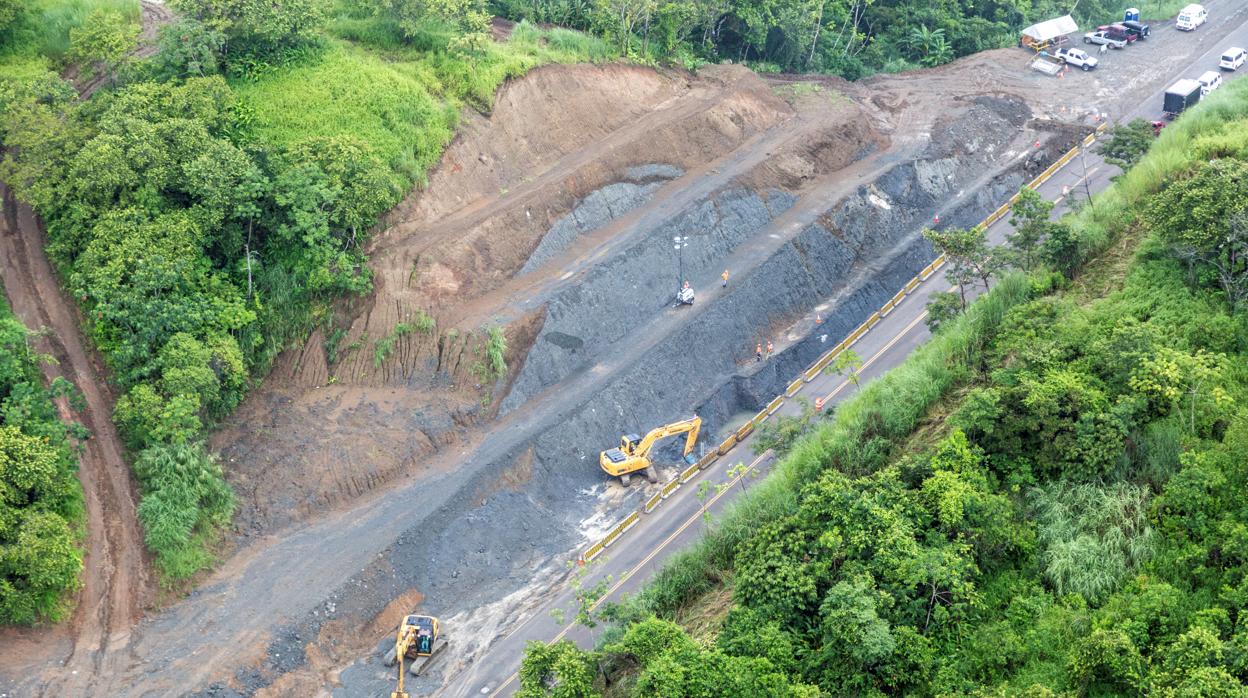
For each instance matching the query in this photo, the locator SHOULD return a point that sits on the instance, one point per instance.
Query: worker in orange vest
(758, 352)
(769, 348)
(724, 276)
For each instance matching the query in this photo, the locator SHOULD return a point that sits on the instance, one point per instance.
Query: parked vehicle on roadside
(1103, 39)
(1209, 81)
(1118, 31)
(1181, 95)
(1232, 58)
(1191, 17)
(1076, 57)
(1139, 29)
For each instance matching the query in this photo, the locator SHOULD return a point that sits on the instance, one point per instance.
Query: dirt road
(114, 581)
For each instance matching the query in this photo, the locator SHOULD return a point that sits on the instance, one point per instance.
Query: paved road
(630, 563)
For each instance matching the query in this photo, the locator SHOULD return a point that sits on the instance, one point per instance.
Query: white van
(1209, 82)
(1191, 17)
(1232, 58)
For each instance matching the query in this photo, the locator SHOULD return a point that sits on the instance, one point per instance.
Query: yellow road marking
(644, 561)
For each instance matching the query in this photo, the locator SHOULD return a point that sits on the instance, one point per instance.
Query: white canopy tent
(1047, 32)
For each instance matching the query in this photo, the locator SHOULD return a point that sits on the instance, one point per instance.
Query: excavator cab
(628, 443)
(417, 640)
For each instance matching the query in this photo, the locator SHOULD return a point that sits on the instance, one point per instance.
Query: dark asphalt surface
(676, 524)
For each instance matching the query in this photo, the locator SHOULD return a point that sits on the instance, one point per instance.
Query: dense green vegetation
(851, 38)
(1067, 519)
(208, 205)
(40, 498)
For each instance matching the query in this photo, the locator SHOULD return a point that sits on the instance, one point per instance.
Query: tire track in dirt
(114, 578)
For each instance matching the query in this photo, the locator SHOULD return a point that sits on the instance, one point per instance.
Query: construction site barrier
(669, 488)
(897, 299)
(727, 445)
(813, 372)
(689, 473)
(1090, 139)
(872, 321)
(913, 284)
(593, 552)
(706, 461)
(775, 405)
(1101, 128)
(927, 272)
(886, 308)
(761, 417)
(745, 431)
(628, 522)
(653, 503)
(793, 388)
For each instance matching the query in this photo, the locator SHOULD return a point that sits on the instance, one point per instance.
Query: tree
(1196, 209)
(967, 256)
(189, 48)
(848, 364)
(9, 11)
(467, 16)
(1229, 260)
(1127, 143)
(1170, 375)
(559, 670)
(1030, 220)
(104, 37)
(928, 46)
(263, 26)
(942, 307)
(1060, 249)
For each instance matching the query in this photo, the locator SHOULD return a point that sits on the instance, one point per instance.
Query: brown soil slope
(321, 432)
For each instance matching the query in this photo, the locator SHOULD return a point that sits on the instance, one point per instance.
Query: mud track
(115, 580)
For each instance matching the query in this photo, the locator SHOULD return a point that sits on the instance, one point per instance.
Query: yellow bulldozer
(417, 640)
(633, 455)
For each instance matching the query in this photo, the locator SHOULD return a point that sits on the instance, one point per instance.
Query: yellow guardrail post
(689, 473)
(653, 502)
(670, 487)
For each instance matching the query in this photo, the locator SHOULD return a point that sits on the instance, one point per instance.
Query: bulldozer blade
(418, 667)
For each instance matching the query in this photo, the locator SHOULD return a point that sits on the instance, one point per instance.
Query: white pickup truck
(1076, 57)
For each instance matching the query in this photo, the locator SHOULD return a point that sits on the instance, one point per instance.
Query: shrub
(185, 500)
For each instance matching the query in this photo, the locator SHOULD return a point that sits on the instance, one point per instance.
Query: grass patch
(403, 99)
(42, 30)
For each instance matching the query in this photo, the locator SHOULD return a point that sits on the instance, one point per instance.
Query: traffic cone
(936, 220)
(818, 404)
(818, 320)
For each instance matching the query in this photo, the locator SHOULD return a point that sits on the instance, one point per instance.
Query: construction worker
(769, 348)
(724, 276)
(758, 352)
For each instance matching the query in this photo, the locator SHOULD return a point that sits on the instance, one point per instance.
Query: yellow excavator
(418, 641)
(633, 455)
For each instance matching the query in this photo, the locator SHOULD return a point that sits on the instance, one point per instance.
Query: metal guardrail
(813, 371)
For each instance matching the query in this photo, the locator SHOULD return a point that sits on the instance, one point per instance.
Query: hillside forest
(1044, 500)
(206, 201)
